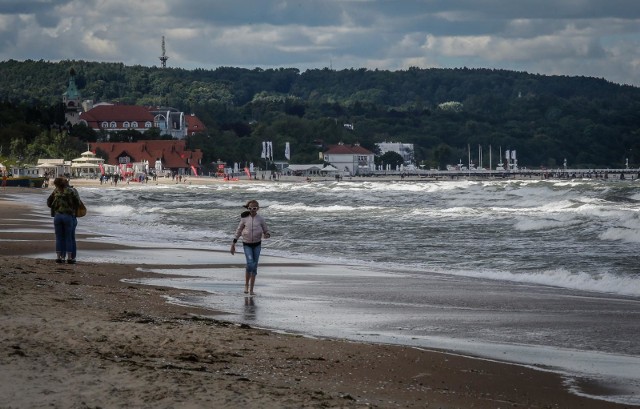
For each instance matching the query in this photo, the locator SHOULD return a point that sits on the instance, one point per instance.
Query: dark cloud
(572, 37)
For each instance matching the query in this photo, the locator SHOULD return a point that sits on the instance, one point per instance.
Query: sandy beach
(78, 336)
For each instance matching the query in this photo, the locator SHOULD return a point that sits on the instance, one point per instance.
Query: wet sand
(76, 336)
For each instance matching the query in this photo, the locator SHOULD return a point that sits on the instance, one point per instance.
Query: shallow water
(539, 272)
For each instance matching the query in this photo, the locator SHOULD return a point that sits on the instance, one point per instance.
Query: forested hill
(590, 122)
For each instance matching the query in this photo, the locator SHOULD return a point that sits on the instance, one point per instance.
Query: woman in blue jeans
(63, 203)
(252, 229)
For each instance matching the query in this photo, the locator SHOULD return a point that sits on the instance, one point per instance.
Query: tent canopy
(329, 168)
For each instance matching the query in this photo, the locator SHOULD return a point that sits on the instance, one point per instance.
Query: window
(147, 124)
(104, 125)
(112, 124)
(125, 125)
(134, 124)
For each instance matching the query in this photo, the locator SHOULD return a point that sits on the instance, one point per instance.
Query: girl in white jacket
(252, 228)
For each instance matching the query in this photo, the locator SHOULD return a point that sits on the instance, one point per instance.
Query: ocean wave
(300, 207)
(601, 282)
(624, 234)
(544, 224)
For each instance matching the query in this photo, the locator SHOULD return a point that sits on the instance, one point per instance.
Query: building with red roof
(111, 118)
(107, 117)
(352, 159)
(194, 125)
(161, 155)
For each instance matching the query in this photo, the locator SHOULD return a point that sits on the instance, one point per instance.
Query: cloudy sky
(598, 38)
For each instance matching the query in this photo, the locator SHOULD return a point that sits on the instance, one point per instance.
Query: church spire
(71, 99)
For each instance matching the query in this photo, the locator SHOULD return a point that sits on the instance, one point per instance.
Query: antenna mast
(163, 58)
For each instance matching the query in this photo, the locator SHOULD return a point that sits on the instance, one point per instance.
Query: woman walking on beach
(252, 228)
(63, 203)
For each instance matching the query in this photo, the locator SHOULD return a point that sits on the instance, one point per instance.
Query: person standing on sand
(75, 225)
(63, 203)
(252, 228)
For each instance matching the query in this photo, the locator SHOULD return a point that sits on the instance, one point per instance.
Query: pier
(612, 174)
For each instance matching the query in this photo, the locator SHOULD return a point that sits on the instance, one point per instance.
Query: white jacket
(252, 229)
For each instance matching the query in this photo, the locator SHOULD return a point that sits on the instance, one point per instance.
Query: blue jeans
(65, 235)
(73, 237)
(252, 254)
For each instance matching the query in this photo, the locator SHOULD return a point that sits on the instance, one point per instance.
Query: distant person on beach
(252, 228)
(63, 203)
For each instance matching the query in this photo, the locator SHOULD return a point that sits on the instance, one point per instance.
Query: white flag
(506, 154)
(263, 155)
(513, 154)
(287, 151)
(270, 150)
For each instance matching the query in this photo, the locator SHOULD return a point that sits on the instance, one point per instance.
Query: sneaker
(59, 260)
(71, 261)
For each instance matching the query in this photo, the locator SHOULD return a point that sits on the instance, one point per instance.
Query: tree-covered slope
(590, 122)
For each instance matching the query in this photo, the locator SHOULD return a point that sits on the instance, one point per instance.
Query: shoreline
(105, 331)
(443, 176)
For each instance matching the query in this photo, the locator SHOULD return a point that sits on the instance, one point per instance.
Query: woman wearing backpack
(64, 202)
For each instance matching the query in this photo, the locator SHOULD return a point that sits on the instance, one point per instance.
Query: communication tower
(163, 57)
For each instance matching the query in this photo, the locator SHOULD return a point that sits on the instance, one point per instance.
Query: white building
(53, 167)
(87, 165)
(350, 159)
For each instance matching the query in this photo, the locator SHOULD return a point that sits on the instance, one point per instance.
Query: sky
(594, 38)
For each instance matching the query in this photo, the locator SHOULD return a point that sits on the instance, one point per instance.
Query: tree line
(590, 122)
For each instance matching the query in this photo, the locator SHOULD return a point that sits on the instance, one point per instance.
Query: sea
(542, 273)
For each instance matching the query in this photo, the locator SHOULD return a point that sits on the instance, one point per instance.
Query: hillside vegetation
(590, 122)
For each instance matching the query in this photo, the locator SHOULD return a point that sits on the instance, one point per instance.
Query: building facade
(350, 159)
(406, 150)
(162, 156)
(110, 117)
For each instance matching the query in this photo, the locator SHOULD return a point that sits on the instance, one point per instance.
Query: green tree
(390, 158)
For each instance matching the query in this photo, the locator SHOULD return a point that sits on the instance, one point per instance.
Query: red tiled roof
(117, 113)
(347, 150)
(194, 124)
(173, 153)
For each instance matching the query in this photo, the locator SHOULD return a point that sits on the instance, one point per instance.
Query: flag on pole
(270, 150)
(513, 154)
(507, 155)
(263, 155)
(287, 151)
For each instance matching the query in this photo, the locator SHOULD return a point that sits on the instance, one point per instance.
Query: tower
(71, 100)
(163, 57)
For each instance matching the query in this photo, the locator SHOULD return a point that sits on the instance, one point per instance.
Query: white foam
(560, 277)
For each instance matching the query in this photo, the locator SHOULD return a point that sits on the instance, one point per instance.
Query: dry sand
(77, 336)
